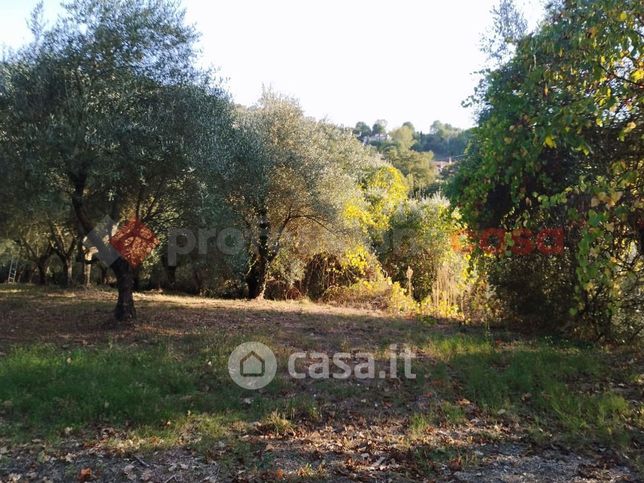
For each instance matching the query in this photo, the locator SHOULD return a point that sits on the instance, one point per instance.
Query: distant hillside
(443, 140)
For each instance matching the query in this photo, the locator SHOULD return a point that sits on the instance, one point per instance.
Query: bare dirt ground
(356, 431)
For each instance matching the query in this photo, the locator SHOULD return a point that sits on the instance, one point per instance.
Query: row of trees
(412, 151)
(105, 114)
(443, 139)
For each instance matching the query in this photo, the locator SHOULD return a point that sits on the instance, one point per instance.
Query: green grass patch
(538, 378)
(441, 413)
(44, 390)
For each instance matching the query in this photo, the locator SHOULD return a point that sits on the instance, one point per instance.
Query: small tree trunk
(68, 265)
(70, 273)
(30, 273)
(103, 277)
(87, 274)
(198, 279)
(42, 272)
(124, 311)
(171, 275)
(256, 277)
(20, 274)
(86, 254)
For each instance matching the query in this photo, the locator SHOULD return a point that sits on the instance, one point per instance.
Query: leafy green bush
(559, 143)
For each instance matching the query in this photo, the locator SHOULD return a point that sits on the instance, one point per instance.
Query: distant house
(440, 165)
(376, 138)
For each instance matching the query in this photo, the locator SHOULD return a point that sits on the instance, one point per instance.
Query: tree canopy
(107, 110)
(559, 143)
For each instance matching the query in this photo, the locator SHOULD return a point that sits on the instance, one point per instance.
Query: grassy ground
(155, 403)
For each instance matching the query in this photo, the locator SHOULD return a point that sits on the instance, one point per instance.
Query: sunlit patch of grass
(445, 348)
(302, 407)
(605, 414)
(276, 423)
(419, 423)
(308, 472)
(452, 413)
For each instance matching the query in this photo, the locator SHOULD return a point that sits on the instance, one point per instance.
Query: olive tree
(289, 177)
(108, 108)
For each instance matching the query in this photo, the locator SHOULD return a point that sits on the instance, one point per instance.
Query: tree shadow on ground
(163, 385)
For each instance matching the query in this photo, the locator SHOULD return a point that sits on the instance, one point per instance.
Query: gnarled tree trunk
(63, 243)
(87, 255)
(124, 310)
(87, 273)
(42, 263)
(39, 256)
(256, 278)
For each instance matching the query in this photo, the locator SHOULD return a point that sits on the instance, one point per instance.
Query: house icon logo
(252, 365)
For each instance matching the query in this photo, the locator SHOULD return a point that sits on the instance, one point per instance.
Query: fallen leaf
(85, 474)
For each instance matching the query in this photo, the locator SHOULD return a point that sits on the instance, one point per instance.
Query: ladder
(13, 269)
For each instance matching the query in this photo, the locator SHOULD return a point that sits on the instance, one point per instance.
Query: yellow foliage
(357, 259)
(384, 189)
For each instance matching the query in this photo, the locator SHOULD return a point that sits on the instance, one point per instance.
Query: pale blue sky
(346, 60)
